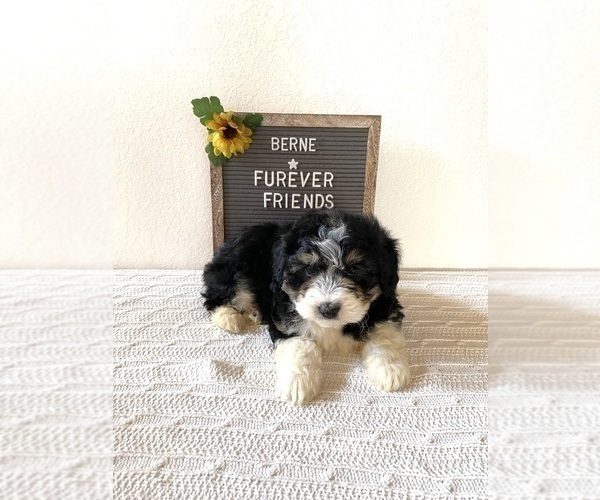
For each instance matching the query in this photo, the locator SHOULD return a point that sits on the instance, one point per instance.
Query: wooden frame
(372, 122)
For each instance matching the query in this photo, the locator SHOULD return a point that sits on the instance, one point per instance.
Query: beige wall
(544, 115)
(421, 65)
(55, 135)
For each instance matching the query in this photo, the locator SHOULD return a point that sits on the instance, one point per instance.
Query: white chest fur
(330, 340)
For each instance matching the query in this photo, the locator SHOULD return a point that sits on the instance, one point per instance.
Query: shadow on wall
(436, 204)
(511, 205)
(413, 172)
(542, 212)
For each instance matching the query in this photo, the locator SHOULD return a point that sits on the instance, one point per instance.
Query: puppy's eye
(311, 268)
(351, 270)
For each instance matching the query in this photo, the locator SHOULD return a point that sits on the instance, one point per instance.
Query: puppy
(326, 282)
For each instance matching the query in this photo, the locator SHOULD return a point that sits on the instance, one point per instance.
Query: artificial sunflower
(228, 133)
(227, 136)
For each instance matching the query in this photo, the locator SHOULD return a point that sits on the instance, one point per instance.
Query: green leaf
(237, 119)
(210, 148)
(215, 105)
(219, 160)
(201, 108)
(206, 107)
(216, 161)
(252, 120)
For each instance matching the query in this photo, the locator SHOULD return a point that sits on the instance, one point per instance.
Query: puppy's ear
(389, 260)
(290, 241)
(281, 252)
(277, 266)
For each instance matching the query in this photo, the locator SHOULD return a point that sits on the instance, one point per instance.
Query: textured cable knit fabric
(544, 384)
(55, 385)
(195, 415)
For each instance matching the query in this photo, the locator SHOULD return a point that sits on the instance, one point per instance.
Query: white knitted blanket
(544, 384)
(195, 415)
(194, 411)
(55, 385)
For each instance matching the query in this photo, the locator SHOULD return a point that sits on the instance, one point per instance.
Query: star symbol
(293, 164)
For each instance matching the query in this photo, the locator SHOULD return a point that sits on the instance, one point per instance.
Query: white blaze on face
(329, 243)
(327, 288)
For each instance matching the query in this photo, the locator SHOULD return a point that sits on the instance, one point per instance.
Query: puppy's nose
(329, 310)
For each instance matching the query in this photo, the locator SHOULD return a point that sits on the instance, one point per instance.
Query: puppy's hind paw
(230, 319)
(254, 316)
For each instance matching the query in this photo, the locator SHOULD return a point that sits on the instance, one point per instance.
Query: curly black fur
(265, 259)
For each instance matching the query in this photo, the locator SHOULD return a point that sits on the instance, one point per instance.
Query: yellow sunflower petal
(212, 124)
(219, 119)
(238, 145)
(222, 118)
(222, 143)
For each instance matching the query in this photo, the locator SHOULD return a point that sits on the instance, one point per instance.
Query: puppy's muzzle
(329, 310)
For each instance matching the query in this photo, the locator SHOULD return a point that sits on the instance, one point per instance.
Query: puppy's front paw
(298, 389)
(385, 358)
(388, 376)
(299, 364)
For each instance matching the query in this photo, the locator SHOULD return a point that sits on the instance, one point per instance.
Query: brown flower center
(229, 132)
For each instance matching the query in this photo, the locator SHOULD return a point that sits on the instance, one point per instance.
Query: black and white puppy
(326, 282)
